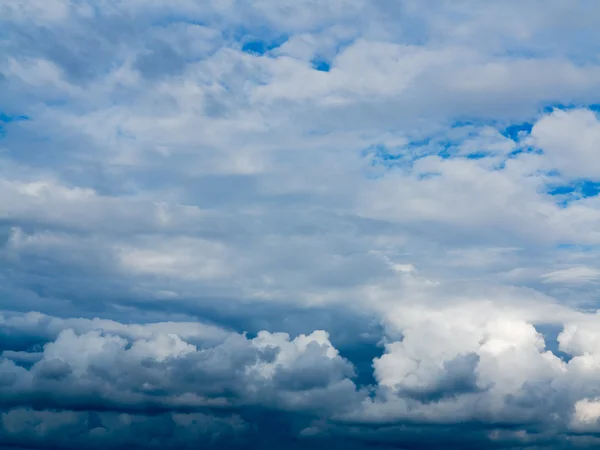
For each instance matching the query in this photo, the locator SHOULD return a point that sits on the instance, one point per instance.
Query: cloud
(570, 140)
(572, 275)
(299, 224)
(114, 381)
(103, 352)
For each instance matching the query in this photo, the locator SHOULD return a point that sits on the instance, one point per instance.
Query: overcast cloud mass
(299, 224)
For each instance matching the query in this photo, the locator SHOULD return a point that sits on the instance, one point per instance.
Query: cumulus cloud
(100, 376)
(167, 371)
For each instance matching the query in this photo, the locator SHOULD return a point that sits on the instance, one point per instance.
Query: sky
(300, 224)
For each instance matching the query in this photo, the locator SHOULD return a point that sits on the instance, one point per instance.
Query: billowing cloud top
(299, 224)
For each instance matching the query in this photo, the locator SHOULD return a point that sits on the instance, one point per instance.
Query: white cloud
(49, 327)
(587, 413)
(272, 370)
(185, 258)
(571, 142)
(572, 275)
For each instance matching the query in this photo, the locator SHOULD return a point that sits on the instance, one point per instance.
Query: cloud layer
(299, 224)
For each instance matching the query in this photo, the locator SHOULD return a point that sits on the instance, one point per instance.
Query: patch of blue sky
(521, 150)
(379, 156)
(324, 62)
(449, 149)
(581, 188)
(382, 160)
(563, 201)
(576, 247)
(412, 151)
(478, 155)
(444, 148)
(380, 152)
(321, 65)
(420, 143)
(6, 119)
(550, 332)
(589, 188)
(464, 123)
(514, 131)
(170, 19)
(448, 145)
(561, 190)
(567, 106)
(547, 109)
(473, 125)
(566, 246)
(565, 194)
(552, 173)
(261, 46)
(517, 131)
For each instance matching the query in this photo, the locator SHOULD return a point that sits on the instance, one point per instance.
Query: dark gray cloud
(88, 387)
(96, 388)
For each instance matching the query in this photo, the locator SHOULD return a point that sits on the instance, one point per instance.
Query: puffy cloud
(570, 140)
(102, 383)
(586, 414)
(98, 370)
(46, 328)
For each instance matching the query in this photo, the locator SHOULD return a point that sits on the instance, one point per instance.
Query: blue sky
(299, 224)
